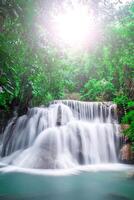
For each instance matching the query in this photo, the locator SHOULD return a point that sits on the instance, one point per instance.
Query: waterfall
(66, 134)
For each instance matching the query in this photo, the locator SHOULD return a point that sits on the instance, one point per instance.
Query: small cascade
(66, 134)
(92, 111)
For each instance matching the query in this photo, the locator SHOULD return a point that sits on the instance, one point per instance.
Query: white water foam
(68, 134)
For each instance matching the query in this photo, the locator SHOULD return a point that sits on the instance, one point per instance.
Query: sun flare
(74, 26)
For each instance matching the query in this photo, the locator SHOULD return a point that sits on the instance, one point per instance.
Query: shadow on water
(115, 197)
(46, 197)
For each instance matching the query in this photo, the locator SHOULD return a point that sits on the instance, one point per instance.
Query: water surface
(76, 185)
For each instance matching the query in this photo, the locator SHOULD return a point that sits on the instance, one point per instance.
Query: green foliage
(129, 119)
(98, 90)
(112, 61)
(121, 100)
(27, 73)
(36, 72)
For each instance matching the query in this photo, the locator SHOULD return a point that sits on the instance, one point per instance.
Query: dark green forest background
(34, 70)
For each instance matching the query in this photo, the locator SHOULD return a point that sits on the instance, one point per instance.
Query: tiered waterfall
(66, 134)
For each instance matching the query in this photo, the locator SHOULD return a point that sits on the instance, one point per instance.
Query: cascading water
(66, 134)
